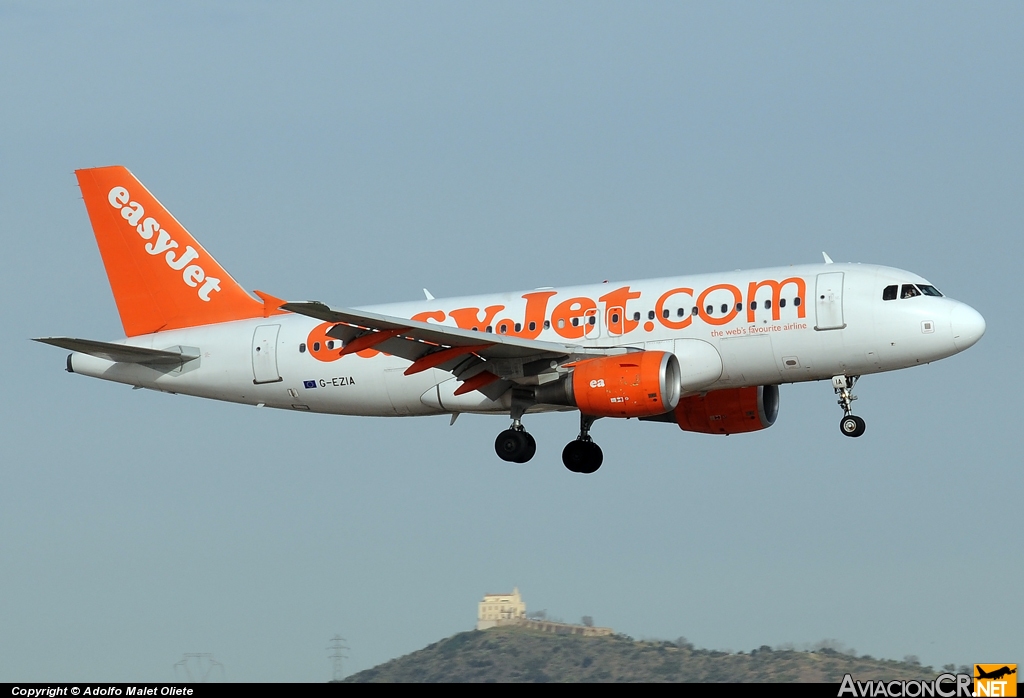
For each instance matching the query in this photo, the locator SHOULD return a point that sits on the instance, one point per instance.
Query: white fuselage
(839, 325)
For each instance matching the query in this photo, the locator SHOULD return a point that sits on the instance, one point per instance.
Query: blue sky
(356, 153)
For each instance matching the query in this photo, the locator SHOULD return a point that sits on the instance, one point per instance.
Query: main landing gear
(515, 445)
(583, 455)
(850, 424)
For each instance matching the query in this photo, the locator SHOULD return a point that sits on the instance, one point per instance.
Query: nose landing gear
(583, 455)
(850, 424)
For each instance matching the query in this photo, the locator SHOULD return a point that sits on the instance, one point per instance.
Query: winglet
(828, 260)
(428, 294)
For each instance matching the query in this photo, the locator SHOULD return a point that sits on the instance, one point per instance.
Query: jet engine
(629, 385)
(731, 411)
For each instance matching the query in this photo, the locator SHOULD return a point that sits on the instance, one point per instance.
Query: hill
(517, 655)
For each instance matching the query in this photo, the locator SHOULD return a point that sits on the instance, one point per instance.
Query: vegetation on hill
(513, 654)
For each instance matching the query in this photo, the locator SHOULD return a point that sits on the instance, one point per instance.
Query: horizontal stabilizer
(121, 353)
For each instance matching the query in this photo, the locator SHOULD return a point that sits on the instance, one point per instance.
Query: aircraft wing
(466, 353)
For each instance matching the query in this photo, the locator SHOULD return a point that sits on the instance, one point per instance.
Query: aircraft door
(264, 354)
(828, 301)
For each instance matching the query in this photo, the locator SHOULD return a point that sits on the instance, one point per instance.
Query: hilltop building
(510, 609)
(500, 607)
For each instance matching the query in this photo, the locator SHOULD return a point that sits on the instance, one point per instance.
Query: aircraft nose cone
(967, 324)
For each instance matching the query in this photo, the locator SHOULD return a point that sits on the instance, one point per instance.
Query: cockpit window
(909, 291)
(929, 290)
(889, 294)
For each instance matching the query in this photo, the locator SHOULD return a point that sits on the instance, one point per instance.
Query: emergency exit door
(264, 354)
(828, 301)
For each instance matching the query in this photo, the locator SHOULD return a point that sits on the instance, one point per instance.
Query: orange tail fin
(161, 277)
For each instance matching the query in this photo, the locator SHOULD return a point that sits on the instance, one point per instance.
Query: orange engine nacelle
(638, 384)
(732, 411)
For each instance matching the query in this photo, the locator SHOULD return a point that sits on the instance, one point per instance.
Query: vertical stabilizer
(161, 277)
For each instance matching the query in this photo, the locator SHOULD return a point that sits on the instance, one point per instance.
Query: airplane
(705, 352)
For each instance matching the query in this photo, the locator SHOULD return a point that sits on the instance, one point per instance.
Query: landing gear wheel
(852, 425)
(515, 446)
(531, 448)
(582, 456)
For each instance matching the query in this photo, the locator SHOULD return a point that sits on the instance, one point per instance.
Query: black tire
(582, 456)
(852, 426)
(595, 457)
(530, 450)
(511, 445)
(573, 456)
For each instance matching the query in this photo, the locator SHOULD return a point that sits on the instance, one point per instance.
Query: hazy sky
(355, 153)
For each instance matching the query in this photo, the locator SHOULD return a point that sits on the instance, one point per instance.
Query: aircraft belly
(442, 397)
(794, 356)
(404, 391)
(749, 360)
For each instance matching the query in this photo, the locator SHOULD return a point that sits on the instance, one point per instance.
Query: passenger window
(889, 294)
(782, 302)
(796, 301)
(909, 291)
(710, 309)
(519, 328)
(592, 320)
(636, 316)
(650, 314)
(489, 329)
(753, 305)
(929, 290)
(725, 308)
(665, 313)
(561, 323)
(695, 311)
(316, 346)
(533, 326)
(302, 348)
(739, 307)
(547, 324)
(768, 305)
(681, 312)
(330, 343)
(575, 322)
(615, 318)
